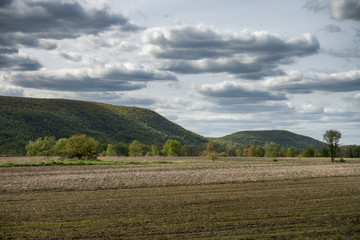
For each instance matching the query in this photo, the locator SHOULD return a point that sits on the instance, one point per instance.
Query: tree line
(82, 146)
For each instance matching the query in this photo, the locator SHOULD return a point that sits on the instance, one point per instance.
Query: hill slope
(24, 119)
(285, 139)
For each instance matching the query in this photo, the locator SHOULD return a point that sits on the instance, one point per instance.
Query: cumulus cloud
(40, 24)
(296, 82)
(339, 9)
(120, 77)
(6, 90)
(245, 54)
(230, 92)
(55, 20)
(11, 59)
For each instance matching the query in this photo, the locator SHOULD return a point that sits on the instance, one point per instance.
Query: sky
(214, 67)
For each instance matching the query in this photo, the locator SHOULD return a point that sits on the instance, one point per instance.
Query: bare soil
(287, 199)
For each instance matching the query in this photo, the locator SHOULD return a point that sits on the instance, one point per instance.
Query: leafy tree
(332, 138)
(291, 152)
(81, 146)
(110, 151)
(122, 149)
(259, 151)
(154, 150)
(172, 148)
(41, 147)
(351, 151)
(210, 152)
(135, 148)
(308, 152)
(252, 151)
(272, 150)
(60, 147)
(212, 155)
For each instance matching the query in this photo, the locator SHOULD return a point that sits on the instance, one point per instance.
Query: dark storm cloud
(310, 82)
(201, 49)
(125, 77)
(229, 93)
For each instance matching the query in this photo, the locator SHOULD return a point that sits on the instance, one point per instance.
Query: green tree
(332, 138)
(291, 152)
(60, 147)
(172, 148)
(122, 149)
(81, 146)
(135, 148)
(308, 152)
(110, 151)
(41, 147)
(154, 150)
(272, 150)
(259, 151)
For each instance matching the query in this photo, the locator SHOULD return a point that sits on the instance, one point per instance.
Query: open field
(192, 198)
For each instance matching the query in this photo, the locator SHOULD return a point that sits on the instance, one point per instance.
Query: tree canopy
(332, 138)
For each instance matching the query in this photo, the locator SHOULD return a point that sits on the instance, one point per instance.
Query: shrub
(81, 146)
(41, 147)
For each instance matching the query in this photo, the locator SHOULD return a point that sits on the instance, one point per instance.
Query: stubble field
(182, 198)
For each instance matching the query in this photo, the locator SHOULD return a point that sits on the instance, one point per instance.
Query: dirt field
(240, 199)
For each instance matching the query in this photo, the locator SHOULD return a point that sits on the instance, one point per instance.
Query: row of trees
(82, 146)
(79, 146)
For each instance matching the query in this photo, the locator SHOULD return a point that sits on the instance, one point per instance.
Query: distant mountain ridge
(24, 119)
(285, 139)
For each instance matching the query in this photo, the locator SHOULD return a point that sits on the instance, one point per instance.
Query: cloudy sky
(214, 67)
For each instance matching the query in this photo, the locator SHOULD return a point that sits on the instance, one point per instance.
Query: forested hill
(285, 139)
(24, 119)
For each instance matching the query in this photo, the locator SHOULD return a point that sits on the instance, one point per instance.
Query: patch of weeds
(338, 237)
(275, 160)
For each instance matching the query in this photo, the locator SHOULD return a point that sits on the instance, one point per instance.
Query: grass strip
(80, 162)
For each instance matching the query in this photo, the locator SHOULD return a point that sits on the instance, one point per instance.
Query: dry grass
(161, 175)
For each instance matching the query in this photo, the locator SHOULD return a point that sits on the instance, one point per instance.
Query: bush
(308, 152)
(41, 147)
(81, 146)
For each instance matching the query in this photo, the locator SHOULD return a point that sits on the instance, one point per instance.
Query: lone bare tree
(332, 138)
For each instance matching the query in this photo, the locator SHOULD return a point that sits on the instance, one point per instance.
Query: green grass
(68, 162)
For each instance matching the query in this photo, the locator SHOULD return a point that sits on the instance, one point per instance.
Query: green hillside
(24, 119)
(285, 139)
